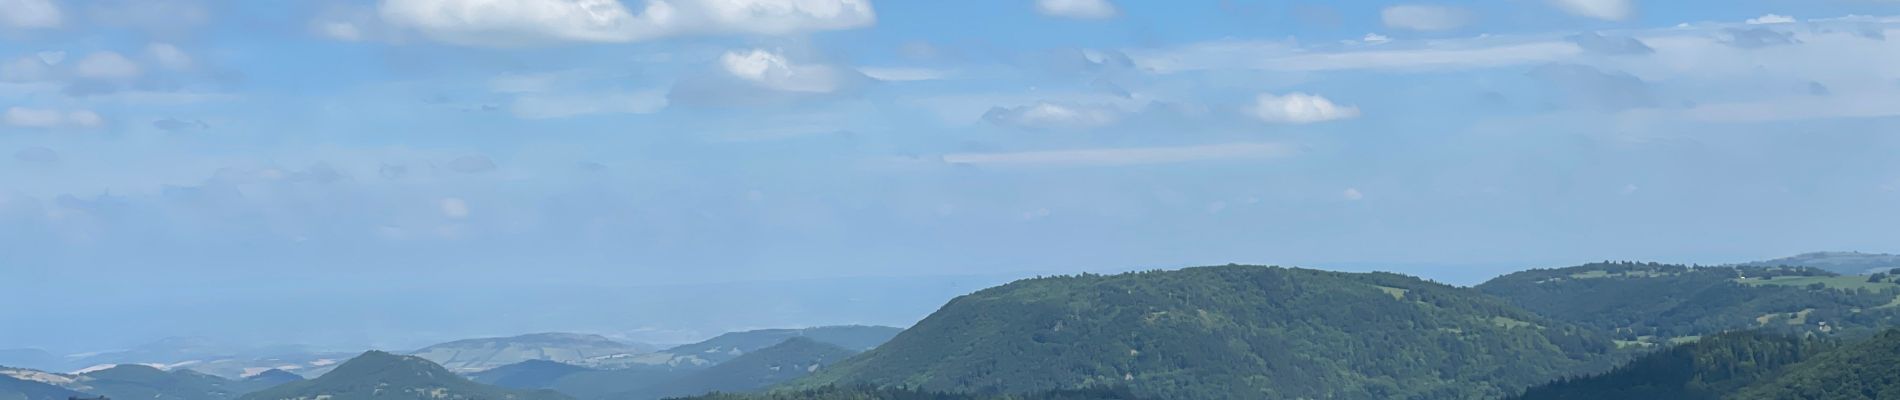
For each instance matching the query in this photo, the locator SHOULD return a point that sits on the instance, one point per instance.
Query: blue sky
(248, 158)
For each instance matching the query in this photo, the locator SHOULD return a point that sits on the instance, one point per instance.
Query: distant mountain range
(380, 375)
(747, 360)
(1769, 330)
(481, 354)
(1840, 262)
(134, 381)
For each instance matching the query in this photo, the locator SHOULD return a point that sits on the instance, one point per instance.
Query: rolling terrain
(1651, 305)
(1232, 332)
(380, 375)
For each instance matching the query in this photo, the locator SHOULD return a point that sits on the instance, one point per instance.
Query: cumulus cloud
(1299, 108)
(51, 119)
(1616, 46)
(1352, 194)
(1046, 115)
(1771, 19)
(106, 65)
(770, 69)
(518, 22)
(30, 14)
(472, 164)
(1078, 9)
(1424, 17)
(1613, 10)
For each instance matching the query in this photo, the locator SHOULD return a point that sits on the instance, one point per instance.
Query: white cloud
(1771, 19)
(1352, 194)
(772, 70)
(29, 14)
(1046, 115)
(1078, 9)
(1300, 108)
(107, 65)
(1375, 38)
(453, 207)
(1125, 156)
(169, 56)
(1425, 18)
(542, 106)
(900, 74)
(517, 22)
(1613, 10)
(49, 118)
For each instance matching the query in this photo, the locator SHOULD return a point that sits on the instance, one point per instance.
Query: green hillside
(1233, 332)
(19, 389)
(792, 359)
(1708, 369)
(384, 376)
(132, 381)
(531, 374)
(1649, 305)
(874, 393)
(1868, 370)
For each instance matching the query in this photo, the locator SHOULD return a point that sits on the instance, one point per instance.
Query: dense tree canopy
(1233, 332)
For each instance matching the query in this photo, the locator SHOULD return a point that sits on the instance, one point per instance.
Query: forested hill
(1649, 304)
(1232, 332)
(1867, 370)
(875, 393)
(1708, 369)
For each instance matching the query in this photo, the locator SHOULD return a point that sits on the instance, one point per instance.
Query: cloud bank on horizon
(184, 145)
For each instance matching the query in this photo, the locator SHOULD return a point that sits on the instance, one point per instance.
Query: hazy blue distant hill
(19, 389)
(33, 358)
(480, 354)
(173, 350)
(380, 375)
(1708, 369)
(1840, 262)
(644, 374)
(794, 358)
(531, 374)
(133, 381)
(1233, 332)
(267, 379)
(732, 345)
(1649, 304)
